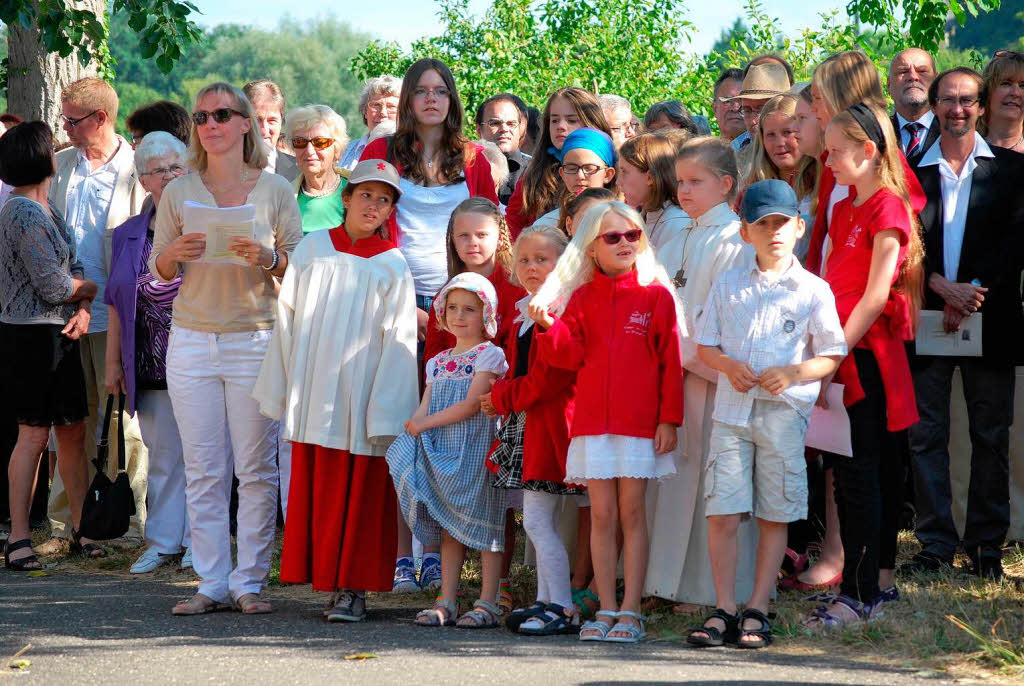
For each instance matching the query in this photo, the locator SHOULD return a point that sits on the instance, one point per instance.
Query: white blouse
(423, 213)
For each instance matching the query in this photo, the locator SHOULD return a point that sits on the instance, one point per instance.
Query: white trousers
(541, 520)
(210, 379)
(284, 468)
(167, 527)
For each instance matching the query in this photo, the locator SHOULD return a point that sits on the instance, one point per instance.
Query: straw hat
(763, 81)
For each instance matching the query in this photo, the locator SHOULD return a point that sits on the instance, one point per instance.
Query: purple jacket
(121, 293)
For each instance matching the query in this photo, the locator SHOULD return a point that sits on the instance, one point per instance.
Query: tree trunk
(36, 78)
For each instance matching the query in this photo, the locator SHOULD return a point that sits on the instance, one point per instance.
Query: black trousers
(869, 487)
(988, 390)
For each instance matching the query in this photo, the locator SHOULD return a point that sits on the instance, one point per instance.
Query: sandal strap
(633, 615)
(488, 607)
(719, 613)
(754, 613)
(606, 613)
(11, 547)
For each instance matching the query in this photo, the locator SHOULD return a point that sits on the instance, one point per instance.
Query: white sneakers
(151, 559)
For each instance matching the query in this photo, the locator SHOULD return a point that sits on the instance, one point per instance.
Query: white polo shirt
(956, 195)
(769, 320)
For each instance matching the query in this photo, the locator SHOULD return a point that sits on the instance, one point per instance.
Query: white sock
(539, 520)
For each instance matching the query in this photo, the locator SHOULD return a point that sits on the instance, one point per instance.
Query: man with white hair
(619, 115)
(378, 102)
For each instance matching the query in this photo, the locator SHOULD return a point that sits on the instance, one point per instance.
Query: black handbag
(108, 506)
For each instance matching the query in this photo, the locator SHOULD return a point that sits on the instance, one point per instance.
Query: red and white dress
(340, 374)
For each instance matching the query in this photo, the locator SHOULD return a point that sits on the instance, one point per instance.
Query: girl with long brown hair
(439, 168)
(647, 179)
(874, 270)
(538, 190)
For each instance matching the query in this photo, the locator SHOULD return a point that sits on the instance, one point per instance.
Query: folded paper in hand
(220, 225)
(829, 429)
(932, 338)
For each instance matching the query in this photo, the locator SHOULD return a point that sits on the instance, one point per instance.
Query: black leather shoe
(989, 568)
(925, 563)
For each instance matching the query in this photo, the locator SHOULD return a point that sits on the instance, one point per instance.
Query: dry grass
(951, 624)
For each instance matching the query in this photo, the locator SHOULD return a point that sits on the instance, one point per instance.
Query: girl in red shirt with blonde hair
(617, 327)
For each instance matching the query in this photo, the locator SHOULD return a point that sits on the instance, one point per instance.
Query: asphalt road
(104, 629)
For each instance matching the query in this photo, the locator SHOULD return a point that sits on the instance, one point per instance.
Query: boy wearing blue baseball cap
(771, 330)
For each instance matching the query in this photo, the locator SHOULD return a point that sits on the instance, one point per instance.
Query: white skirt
(610, 456)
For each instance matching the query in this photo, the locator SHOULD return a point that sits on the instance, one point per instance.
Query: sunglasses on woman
(614, 237)
(319, 143)
(221, 116)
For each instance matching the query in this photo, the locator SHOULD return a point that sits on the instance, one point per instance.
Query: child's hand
(413, 427)
(540, 315)
(664, 439)
(822, 400)
(741, 376)
(486, 406)
(777, 379)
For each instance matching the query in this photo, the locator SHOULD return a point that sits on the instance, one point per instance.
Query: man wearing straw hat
(761, 83)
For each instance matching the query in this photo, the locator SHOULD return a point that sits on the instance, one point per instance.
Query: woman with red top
(539, 189)
(347, 295)
(874, 269)
(438, 169)
(617, 328)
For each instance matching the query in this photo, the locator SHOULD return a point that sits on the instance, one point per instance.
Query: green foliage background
(634, 48)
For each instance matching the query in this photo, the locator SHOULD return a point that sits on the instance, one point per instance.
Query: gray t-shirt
(37, 257)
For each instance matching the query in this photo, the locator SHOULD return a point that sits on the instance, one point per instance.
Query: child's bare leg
(510, 543)
(453, 554)
(831, 561)
(604, 552)
(771, 548)
(722, 550)
(583, 566)
(404, 537)
(633, 522)
(492, 563)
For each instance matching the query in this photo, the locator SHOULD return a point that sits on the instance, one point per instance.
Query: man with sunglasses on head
(94, 190)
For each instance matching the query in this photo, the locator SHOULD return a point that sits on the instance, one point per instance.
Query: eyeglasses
(379, 107)
(498, 123)
(964, 102)
(614, 237)
(173, 170)
(221, 116)
(574, 169)
(748, 112)
(319, 142)
(439, 93)
(72, 123)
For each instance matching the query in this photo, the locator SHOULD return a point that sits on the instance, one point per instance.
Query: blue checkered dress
(440, 476)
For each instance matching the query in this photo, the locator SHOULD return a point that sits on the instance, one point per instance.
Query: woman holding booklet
(223, 316)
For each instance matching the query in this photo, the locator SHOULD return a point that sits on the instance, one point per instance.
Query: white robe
(340, 371)
(679, 567)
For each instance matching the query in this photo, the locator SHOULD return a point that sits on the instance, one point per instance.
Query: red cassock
(341, 529)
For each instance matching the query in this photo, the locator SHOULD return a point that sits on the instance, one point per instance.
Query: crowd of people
(618, 325)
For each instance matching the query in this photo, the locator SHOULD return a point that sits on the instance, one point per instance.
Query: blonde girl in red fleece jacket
(615, 322)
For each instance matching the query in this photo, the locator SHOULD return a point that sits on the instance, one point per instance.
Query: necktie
(914, 129)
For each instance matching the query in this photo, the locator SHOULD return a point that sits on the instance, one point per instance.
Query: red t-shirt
(853, 230)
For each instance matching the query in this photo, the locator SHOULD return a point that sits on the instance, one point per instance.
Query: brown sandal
(252, 604)
(198, 604)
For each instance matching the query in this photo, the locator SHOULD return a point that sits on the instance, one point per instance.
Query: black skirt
(41, 374)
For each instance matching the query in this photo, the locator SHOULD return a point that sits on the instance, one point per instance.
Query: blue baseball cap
(768, 197)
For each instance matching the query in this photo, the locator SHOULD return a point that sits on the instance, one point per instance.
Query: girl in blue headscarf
(587, 161)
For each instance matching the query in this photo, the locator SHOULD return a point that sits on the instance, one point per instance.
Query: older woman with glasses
(317, 135)
(223, 316)
(1002, 122)
(378, 102)
(139, 315)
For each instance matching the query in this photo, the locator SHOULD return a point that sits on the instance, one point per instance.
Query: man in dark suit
(268, 103)
(972, 227)
(911, 72)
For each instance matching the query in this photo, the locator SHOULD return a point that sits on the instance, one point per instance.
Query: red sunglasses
(613, 237)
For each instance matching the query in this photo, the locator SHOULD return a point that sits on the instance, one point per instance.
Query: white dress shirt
(271, 161)
(926, 121)
(956, 194)
(90, 193)
(769, 320)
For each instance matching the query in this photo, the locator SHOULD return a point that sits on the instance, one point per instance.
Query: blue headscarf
(594, 140)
